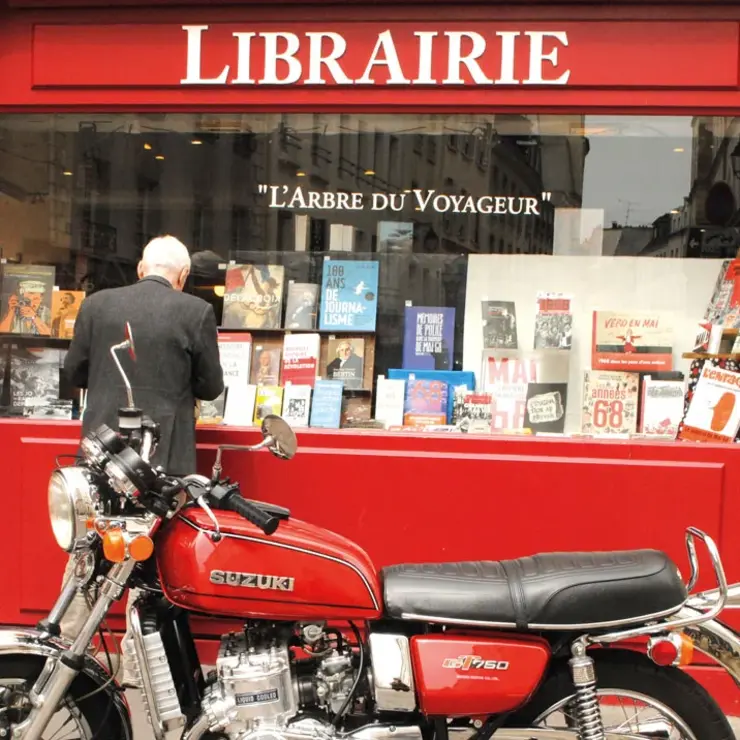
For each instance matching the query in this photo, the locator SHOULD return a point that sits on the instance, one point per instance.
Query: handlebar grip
(266, 522)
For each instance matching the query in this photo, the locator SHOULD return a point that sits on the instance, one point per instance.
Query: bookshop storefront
(474, 254)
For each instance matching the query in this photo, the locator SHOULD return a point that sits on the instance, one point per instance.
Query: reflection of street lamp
(735, 160)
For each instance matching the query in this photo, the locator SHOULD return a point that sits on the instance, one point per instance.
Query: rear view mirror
(129, 333)
(280, 437)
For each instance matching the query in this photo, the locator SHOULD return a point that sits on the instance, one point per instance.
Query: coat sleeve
(208, 376)
(77, 360)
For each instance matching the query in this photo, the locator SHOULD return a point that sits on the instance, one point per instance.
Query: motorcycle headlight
(70, 506)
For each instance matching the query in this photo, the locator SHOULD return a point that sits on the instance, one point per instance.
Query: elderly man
(177, 362)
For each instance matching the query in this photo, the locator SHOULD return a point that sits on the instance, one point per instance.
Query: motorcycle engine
(257, 691)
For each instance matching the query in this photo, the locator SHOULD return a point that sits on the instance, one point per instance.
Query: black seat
(549, 591)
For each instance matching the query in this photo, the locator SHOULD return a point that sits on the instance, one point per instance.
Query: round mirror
(130, 340)
(284, 443)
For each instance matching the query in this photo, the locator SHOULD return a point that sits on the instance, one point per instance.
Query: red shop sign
(593, 54)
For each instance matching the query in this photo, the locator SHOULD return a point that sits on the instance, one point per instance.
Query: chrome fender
(32, 642)
(715, 640)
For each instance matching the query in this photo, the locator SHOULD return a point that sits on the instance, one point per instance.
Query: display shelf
(33, 341)
(281, 331)
(707, 356)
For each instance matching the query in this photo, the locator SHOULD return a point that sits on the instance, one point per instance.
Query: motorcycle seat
(553, 591)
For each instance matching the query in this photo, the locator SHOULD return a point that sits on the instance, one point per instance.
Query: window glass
(510, 230)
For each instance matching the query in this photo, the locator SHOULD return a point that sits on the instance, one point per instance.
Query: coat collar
(156, 279)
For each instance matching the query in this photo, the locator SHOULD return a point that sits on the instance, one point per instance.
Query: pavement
(142, 731)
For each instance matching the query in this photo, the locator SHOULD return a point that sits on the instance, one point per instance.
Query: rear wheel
(636, 697)
(85, 714)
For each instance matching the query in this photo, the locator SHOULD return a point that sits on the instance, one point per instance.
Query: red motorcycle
(539, 648)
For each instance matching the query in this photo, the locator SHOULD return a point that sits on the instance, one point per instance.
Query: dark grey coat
(177, 361)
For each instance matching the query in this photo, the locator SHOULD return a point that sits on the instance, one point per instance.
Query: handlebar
(266, 522)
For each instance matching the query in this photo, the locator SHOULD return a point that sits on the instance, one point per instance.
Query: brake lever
(200, 499)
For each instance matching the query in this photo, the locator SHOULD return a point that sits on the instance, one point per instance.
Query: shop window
(509, 256)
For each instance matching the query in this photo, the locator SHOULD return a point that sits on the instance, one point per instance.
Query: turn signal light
(114, 546)
(671, 650)
(141, 548)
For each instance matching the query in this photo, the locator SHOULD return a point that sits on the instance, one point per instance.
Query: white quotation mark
(262, 189)
(546, 196)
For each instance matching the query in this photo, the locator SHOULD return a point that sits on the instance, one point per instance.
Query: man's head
(345, 350)
(32, 292)
(166, 257)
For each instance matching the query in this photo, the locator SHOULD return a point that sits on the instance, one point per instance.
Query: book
(609, 402)
(253, 296)
(349, 295)
(631, 341)
(395, 236)
(453, 378)
(713, 413)
(662, 406)
(302, 306)
(269, 401)
(266, 365)
(426, 402)
(212, 412)
(235, 355)
(389, 400)
(545, 407)
(499, 325)
(300, 358)
(428, 338)
(239, 406)
(297, 404)
(25, 299)
(34, 376)
(65, 306)
(346, 361)
(507, 374)
(326, 408)
(473, 412)
(553, 324)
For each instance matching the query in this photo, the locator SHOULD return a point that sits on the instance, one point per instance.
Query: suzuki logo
(252, 580)
(475, 662)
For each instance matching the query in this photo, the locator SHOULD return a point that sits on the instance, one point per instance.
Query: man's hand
(27, 312)
(13, 302)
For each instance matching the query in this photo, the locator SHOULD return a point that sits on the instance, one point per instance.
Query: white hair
(165, 255)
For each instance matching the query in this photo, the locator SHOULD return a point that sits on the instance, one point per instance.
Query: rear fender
(32, 642)
(715, 640)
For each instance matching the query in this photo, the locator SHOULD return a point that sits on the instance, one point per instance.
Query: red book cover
(301, 371)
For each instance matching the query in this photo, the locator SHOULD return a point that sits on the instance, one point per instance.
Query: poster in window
(25, 304)
(429, 338)
(499, 325)
(65, 306)
(349, 295)
(632, 341)
(253, 297)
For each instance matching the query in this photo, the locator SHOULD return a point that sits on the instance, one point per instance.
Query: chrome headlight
(70, 506)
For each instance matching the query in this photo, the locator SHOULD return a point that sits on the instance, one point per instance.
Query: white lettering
(243, 59)
(330, 60)
(456, 58)
(426, 42)
(390, 60)
(537, 57)
(193, 68)
(508, 56)
(272, 57)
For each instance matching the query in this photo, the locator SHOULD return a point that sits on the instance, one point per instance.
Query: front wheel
(636, 697)
(85, 713)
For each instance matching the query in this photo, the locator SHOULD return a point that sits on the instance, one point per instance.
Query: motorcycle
(331, 649)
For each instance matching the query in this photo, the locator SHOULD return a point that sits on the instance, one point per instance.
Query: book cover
(609, 402)
(426, 402)
(266, 365)
(25, 303)
(473, 412)
(297, 404)
(499, 325)
(545, 407)
(269, 400)
(346, 361)
(239, 406)
(395, 236)
(65, 306)
(506, 375)
(235, 355)
(326, 408)
(212, 412)
(429, 338)
(662, 406)
(302, 306)
(453, 378)
(300, 359)
(349, 295)
(631, 341)
(390, 396)
(553, 324)
(713, 414)
(253, 297)
(34, 376)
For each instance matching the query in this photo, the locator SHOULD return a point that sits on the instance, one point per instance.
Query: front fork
(60, 671)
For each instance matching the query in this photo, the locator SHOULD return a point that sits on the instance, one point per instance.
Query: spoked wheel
(83, 715)
(636, 698)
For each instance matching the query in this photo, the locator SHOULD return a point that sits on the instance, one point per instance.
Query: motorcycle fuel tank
(300, 572)
(468, 675)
